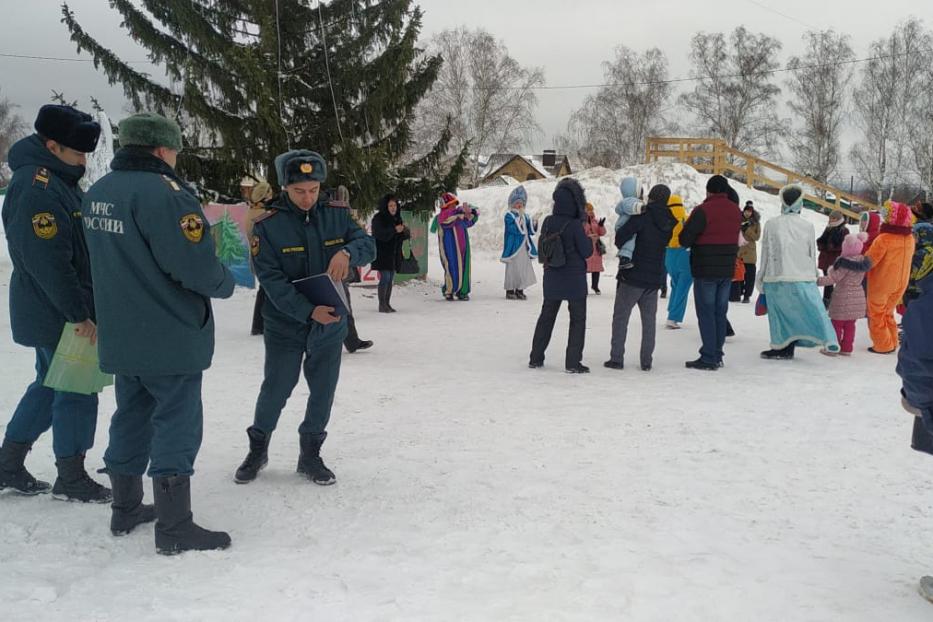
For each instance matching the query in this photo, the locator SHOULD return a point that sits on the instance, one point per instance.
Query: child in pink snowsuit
(848, 301)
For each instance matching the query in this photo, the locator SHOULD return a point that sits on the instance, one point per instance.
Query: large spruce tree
(249, 79)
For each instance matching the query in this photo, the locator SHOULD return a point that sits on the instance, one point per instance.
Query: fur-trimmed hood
(569, 199)
(791, 199)
(859, 263)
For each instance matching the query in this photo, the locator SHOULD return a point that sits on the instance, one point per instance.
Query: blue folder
(320, 289)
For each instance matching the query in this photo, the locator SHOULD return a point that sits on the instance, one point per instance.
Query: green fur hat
(148, 129)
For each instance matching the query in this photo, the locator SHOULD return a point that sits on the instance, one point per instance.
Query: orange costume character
(890, 254)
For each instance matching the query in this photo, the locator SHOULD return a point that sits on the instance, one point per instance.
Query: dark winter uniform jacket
(289, 244)
(154, 269)
(388, 240)
(712, 235)
(830, 246)
(569, 281)
(915, 357)
(51, 281)
(653, 228)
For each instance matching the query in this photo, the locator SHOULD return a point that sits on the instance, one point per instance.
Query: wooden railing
(715, 157)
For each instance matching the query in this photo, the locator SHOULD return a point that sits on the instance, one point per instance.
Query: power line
(278, 73)
(68, 60)
(567, 87)
(784, 15)
(766, 72)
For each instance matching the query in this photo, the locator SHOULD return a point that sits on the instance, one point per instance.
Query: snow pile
(602, 190)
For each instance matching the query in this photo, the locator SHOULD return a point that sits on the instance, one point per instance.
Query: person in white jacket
(787, 277)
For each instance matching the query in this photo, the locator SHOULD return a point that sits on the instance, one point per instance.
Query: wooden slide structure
(713, 156)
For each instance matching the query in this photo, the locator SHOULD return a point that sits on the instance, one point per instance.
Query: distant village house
(502, 168)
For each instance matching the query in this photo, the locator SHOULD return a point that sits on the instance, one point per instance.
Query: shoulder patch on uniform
(192, 226)
(254, 245)
(171, 183)
(268, 214)
(41, 178)
(44, 225)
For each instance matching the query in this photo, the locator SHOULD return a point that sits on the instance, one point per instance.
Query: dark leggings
(595, 279)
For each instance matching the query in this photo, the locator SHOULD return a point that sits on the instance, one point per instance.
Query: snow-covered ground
(473, 488)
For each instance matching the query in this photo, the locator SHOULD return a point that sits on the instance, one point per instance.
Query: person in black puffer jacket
(640, 285)
(567, 282)
(389, 232)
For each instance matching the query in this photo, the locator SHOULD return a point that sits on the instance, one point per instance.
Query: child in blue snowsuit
(630, 205)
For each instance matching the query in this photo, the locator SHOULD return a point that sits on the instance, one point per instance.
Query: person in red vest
(712, 234)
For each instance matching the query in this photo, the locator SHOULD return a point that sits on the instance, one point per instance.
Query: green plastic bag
(75, 367)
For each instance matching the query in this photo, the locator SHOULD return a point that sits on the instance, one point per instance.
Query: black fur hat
(717, 184)
(659, 194)
(68, 126)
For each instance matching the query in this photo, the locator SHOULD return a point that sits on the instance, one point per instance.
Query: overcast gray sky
(568, 38)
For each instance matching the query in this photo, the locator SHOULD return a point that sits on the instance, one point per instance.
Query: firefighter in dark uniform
(50, 285)
(301, 235)
(155, 272)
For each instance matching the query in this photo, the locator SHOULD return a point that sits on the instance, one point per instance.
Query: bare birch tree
(818, 85)
(920, 118)
(488, 95)
(611, 127)
(12, 128)
(735, 97)
(884, 101)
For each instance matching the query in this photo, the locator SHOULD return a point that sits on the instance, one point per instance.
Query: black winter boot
(256, 459)
(13, 473)
(784, 354)
(389, 296)
(74, 484)
(510, 294)
(128, 509)
(309, 460)
(520, 294)
(175, 531)
(383, 304)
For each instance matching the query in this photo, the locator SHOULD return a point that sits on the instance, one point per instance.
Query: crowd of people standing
(131, 266)
(724, 253)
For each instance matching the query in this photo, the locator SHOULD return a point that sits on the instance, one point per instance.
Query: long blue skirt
(796, 314)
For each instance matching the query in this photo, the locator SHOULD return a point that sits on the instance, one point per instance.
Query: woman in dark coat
(830, 246)
(568, 282)
(389, 232)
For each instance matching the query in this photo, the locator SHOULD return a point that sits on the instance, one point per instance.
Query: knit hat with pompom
(853, 244)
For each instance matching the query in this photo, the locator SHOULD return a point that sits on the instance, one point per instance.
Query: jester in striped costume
(453, 242)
